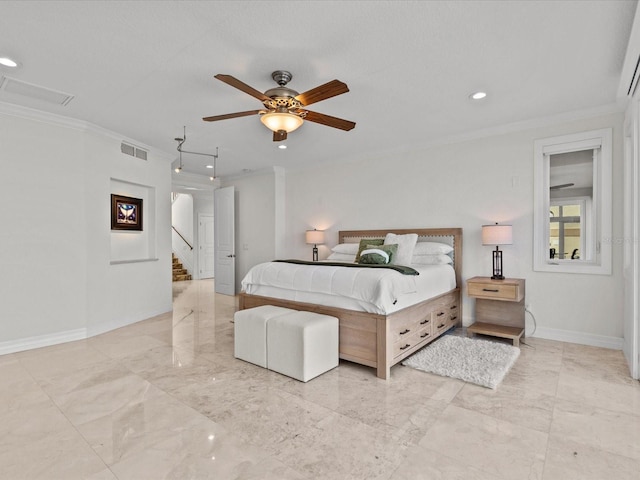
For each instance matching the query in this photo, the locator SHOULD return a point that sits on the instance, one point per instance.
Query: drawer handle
(406, 330)
(405, 347)
(454, 317)
(424, 335)
(453, 307)
(440, 326)
(440, 314)
(424, 322)
(495, 290)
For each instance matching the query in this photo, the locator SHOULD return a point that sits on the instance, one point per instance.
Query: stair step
(179, 278)
(179, 273)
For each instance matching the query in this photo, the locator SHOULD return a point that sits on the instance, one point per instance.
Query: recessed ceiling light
(8, 62)
(478, 95)
(209, 166)
(282, 147)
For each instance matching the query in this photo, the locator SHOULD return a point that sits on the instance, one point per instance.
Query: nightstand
(499, 307)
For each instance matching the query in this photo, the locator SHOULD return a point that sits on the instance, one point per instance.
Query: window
(572, 203)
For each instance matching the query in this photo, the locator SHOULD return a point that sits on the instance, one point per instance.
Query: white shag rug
(481, 362)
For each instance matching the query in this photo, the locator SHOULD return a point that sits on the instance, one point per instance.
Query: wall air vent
(133, 151)
(141, 154)
(12, 85)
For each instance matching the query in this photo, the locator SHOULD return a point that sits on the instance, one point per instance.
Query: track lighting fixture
(181, 142)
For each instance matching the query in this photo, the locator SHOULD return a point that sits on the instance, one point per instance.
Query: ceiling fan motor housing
(281, 77)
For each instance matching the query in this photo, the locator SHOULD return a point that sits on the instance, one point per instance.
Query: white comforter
(373, 290)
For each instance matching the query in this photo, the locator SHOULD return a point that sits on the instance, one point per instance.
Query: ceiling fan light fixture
(277, 121)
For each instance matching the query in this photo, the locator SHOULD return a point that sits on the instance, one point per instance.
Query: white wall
(43, 244)
(466, 185)
(56, 242)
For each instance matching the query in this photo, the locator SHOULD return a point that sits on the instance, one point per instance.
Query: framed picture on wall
(126, 213)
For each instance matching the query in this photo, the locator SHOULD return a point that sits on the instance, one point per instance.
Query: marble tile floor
(164, 398)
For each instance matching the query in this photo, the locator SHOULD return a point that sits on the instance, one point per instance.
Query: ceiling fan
(563, 185)
(285, 109)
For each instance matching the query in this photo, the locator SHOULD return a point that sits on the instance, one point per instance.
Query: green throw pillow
(376, 258)
(370, 241)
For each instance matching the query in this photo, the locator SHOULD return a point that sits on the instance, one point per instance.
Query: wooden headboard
(450, 236)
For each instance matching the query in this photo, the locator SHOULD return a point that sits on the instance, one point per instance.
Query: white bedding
(373, 290)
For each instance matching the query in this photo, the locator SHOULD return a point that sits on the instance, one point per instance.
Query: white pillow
(406, 244)
(342, 257)
(349, 248)
(439, 259)
(431, 248)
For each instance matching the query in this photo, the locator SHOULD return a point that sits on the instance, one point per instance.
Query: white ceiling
(145, 69)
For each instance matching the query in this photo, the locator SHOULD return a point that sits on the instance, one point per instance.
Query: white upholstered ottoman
(302, 345)
(250, 332)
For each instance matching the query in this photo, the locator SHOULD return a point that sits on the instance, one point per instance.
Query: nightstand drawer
(492, 291)
(499, 290)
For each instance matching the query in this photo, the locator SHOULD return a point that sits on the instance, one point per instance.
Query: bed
(377, 333)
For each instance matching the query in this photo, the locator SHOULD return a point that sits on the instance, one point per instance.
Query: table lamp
(497, 235)
(315, 237)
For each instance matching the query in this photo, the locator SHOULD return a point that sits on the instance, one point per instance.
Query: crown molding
(515, 127)
(12, 109)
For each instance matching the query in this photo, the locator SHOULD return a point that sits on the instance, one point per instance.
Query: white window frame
(600, 229)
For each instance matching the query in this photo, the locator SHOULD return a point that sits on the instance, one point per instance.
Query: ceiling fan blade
(329, 121)
(564, 185)
(280, 135)
(328, 90)
(215, 118)
(234, 82)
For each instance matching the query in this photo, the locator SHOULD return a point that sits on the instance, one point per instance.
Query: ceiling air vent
(12, 85)
(133, 151)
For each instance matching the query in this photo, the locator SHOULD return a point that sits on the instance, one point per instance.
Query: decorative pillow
(439, 259)
(406, 244)
(378, 254)
(349, 248)
(342, 257)
(431, 248)
(368, 241)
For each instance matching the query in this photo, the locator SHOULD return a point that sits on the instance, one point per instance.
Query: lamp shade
(278, 121)
(315, 237)
(497, 234)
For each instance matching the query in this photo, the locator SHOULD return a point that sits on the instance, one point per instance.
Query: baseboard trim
(30, 343)
(94, 330)
(39, 341)
(580, 338)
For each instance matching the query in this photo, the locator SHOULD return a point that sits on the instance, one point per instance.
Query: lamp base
(315, 253)
(497, 265)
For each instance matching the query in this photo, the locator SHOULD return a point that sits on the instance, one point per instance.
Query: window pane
(565, 235)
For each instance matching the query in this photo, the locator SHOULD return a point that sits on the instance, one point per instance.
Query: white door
(224, 235)
(206, 247)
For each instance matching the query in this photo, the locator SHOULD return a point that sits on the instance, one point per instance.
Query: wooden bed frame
(381, 341)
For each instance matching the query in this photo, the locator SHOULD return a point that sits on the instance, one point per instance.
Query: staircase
(179, 272)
